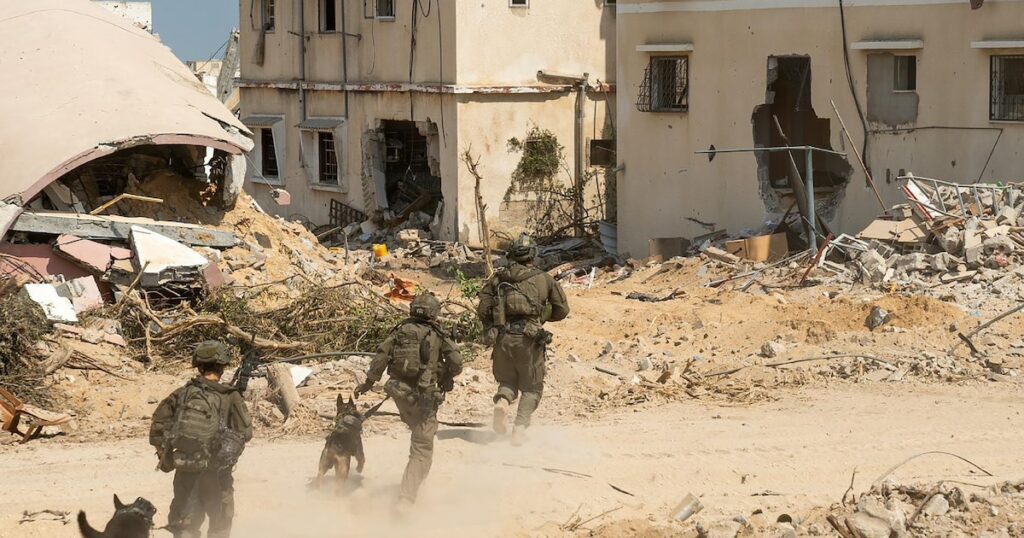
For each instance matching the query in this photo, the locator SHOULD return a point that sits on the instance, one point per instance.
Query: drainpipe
(302, 57)
(580, 84)
(344, 54)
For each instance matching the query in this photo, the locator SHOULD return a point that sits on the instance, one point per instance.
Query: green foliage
(542, 158)
(469, 287)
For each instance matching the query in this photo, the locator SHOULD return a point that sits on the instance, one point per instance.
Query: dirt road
(786, 456)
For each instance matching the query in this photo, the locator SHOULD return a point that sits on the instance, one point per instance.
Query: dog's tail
(85, 528)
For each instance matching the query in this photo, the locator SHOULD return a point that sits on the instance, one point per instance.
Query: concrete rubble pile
(945, 234)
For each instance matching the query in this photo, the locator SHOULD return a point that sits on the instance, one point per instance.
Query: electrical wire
(849, 80)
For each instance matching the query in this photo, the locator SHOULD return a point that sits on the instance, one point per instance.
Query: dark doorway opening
(412, 178)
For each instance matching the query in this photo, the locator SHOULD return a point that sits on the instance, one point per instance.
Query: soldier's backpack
(196, 432)
(518, 296)
(412, 350)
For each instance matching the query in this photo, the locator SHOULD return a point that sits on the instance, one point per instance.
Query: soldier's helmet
(425, 306)
(523, 249)
(212, 352)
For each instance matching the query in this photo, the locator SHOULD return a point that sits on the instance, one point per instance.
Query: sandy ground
(784, 456)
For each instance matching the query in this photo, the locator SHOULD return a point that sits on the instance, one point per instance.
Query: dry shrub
(22, 325)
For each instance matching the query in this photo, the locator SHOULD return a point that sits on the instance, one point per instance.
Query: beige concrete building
(941, 87)
(366, 104)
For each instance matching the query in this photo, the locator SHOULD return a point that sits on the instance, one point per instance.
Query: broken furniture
(13, 410)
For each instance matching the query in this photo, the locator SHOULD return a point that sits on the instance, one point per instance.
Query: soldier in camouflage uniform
(422, 363)
(514, 305)
(199, 432)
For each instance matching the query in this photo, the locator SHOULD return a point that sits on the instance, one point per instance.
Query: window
(665, 87)
(602, 152)
(269, 18)
(268, 154)
(518, 3)
(1007, 88)
(386, 9)
(329, 15)
(905, 73)
(328, 158)
(609, 3)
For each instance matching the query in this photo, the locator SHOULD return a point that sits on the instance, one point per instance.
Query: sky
(194, 29)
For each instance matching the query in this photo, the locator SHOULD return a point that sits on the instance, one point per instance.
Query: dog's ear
(350, 401)
(117, 503)
(341, 401)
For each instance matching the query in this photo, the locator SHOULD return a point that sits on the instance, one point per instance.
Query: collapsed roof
(84, 83)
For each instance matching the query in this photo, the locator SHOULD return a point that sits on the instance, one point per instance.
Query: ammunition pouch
(400, 392)
(232, 444)
(490, 337)
(166, 463)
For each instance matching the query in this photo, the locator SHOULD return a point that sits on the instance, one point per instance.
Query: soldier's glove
(363, 388)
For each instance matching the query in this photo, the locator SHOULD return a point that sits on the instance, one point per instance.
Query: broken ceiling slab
(96, 86)
(109, 227)
(94, 256)
(889, 44)
(162, 259)
(35, 261)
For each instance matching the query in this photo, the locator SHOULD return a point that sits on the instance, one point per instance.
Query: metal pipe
(344, 53)
(302, 57)
(812, 220)
(786, 148)
(581, 92)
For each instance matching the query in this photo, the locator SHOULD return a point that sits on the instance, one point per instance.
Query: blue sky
(194, 29)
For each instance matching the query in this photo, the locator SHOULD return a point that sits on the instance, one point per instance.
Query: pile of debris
(946, 233)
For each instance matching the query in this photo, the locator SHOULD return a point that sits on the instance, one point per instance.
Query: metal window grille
(386, 9)
(269, 18)
(341, 214)
(328, 158)
(665, 87)
(268, 156)
(1007, 90)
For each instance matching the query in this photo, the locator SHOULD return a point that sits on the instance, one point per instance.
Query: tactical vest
(416, 354)
(518, 299)
(199, 422)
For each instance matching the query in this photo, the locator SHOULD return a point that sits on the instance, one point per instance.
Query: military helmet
(211, 352)
(523, 249)
(425, 306)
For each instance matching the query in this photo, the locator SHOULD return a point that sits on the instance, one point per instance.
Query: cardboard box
(761, 248)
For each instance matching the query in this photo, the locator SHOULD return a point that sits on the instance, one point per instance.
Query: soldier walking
(199, 432)
(421, 362)
(514, 305)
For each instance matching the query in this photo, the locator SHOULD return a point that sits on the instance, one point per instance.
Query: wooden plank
(119, 228)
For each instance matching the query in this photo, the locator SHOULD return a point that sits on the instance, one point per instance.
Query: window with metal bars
(385, 9)
(328, 157)
(1007, 88)
(268, 157)
(269, 15)
(665, 87)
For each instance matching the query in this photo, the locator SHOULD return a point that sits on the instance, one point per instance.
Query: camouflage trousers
(200, 495)
(423, 424)
(518, 367)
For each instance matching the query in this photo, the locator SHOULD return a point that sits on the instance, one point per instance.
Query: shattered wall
(664, 184)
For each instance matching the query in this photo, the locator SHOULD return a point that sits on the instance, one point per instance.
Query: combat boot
(501, 406)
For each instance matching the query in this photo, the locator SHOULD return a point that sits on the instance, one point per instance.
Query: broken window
(268, 154)
(328, 158)
(905, 73)
(518, 3)
(402, 161)
(268, 13)
(665, 87)
(329, 15)
(385, 9)
(1007, 88)
(602, 152)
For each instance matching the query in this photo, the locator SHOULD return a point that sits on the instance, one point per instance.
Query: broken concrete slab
(84, 293)
(119, 228)
(95, 257)
(917, 261)
(37, 260)
(972, 247)
(718, 254)
(55, 307)
(161, 259)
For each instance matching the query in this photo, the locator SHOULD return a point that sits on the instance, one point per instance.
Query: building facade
(940, 84)
(138, 12)
(366, 106)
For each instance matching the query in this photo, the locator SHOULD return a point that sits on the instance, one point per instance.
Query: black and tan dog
(133, 520)
(343, 443)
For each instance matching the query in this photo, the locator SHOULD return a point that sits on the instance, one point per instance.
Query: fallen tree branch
(986, 325)
(886, 474)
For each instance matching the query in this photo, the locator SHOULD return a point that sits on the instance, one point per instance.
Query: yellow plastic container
(380, 251)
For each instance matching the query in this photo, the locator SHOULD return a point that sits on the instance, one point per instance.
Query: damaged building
(100, 114)
(939, 85)
(362, 110)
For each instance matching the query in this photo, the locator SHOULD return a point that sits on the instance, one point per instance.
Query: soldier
(199, 432)
(422, 364)
(514, 305)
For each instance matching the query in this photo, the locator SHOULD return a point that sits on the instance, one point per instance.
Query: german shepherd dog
(343, 443)
(130, 521)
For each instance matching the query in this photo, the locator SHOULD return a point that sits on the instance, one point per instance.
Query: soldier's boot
(501, 408)
(518, 435)
(403, 507)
